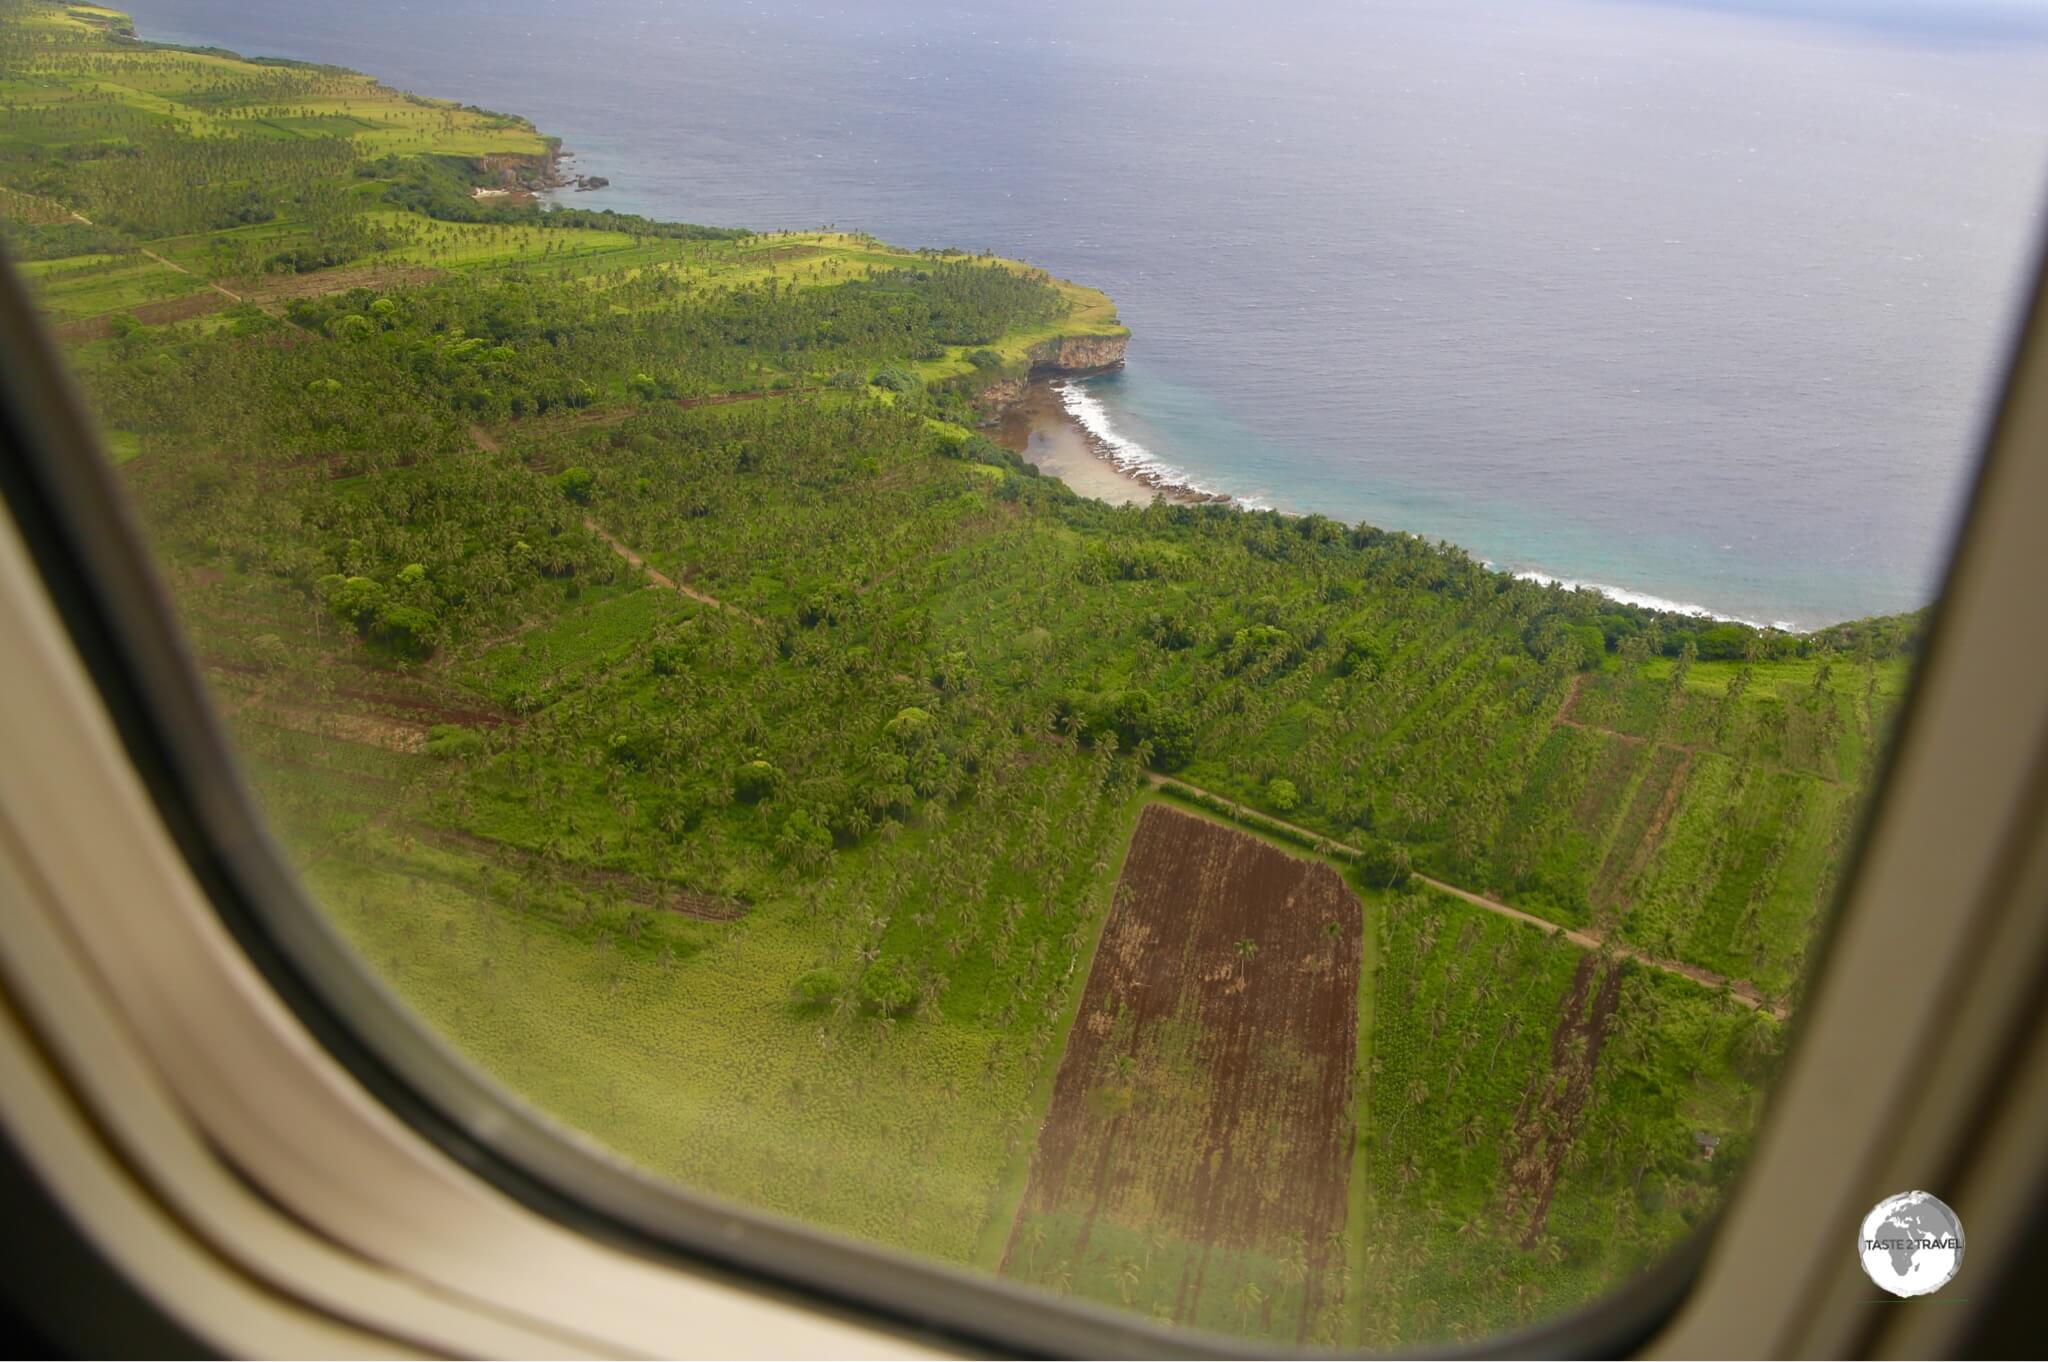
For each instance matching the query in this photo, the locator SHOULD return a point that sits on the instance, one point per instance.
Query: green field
(786, 884)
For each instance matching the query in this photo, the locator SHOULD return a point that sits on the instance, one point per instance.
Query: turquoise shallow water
(1702, 301)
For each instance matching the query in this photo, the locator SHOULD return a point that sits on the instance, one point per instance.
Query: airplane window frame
(67, 504)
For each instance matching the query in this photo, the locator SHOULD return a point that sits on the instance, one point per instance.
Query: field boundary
(1592, 941)
(1006, 1200)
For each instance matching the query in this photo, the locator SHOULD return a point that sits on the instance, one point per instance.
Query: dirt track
(1592, 941)
(485, 442)
(1552, 1112)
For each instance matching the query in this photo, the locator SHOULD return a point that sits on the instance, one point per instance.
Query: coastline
(1043, 430)
(1048, 432)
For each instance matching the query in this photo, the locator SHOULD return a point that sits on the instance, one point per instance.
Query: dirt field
(200, 303)
(277, 288)
(1195, 1160)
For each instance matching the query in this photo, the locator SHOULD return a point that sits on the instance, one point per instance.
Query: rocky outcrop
(1074, 355)
(1060, 357)
(999, 399)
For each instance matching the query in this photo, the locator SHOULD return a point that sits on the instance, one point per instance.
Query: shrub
(1592, 645)
(912, 727)
(803, 841)
(887, 990)
(985, 359)
(896, 380)
(577, 483)
(269, 650)
(1380, 865)
(1364, 656)
(754, 782)
(815, 990)
(355, 601)
(1724, 643)
(408, 631)
(452, 740)
(635, 750)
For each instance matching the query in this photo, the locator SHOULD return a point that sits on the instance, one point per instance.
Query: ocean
(1702, 301)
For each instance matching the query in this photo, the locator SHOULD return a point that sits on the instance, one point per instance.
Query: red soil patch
(272, 288)
(199, 304)
(1605, 786)
(637, 889)
(1206, 1093)
(398, 701)
(1642, 827)
(1553, 1110)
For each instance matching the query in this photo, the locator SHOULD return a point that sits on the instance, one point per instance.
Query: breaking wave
(1128, 455)
(1650, 602)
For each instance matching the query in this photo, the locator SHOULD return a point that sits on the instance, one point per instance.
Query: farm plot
(1533, 1123)
(1196, 1157)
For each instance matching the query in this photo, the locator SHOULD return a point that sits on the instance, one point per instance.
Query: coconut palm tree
(1247, 1300)
(1127, 1274)
(1510, 1030)
(1034, 1243)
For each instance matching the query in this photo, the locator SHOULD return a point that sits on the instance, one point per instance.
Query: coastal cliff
(1060, 357)
(1073, 356)
(1000, 399)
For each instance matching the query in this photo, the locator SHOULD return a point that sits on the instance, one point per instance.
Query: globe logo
(1911, 1244)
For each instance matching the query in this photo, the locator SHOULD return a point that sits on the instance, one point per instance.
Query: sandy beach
(1045, 434)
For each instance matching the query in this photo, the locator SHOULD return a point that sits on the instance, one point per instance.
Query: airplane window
(1215, 662)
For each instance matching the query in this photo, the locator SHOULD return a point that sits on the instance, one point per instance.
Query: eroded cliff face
(1077, 355)
(1061, 357)
(999, 399)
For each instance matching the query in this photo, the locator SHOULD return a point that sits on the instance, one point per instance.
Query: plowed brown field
(1195, 1160)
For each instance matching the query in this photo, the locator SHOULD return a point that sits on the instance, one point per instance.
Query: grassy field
(89, 286)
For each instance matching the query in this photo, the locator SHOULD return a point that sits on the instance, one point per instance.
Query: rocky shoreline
(528, 177)
(1037, 426)
(1172, 489)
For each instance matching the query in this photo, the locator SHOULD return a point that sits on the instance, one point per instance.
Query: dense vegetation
(667, 690)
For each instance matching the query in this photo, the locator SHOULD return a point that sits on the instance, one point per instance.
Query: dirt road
(224, 292)
(484, 441)
(1592, 941)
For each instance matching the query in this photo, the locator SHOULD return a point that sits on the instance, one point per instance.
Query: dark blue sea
(1704, 301)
